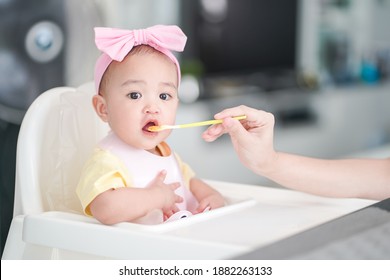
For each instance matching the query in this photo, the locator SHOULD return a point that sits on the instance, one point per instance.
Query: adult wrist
(269, 166)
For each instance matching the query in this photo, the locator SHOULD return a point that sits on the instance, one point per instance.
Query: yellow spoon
(155, 128)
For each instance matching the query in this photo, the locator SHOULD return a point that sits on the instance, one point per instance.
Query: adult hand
(252, 137)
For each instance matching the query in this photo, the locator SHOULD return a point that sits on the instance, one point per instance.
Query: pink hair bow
(117, 43)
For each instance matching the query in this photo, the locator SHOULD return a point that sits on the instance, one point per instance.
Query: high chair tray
(245, 224)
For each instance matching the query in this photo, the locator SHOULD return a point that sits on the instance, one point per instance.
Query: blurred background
(321, 66)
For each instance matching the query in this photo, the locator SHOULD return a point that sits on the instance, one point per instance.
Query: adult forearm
(364, 178)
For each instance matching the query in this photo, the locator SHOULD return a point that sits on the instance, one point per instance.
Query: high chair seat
(57, 136)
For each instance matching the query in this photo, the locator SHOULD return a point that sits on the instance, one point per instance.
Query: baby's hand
(212, 201)
(164, 194)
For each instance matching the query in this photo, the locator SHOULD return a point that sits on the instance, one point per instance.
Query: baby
(133, 174)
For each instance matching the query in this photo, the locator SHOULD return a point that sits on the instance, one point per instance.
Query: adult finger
(250, 113)
(213, 132)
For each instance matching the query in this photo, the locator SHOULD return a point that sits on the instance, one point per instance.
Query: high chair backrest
(58, 134)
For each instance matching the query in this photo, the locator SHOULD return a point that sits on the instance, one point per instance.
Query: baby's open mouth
(149, 124)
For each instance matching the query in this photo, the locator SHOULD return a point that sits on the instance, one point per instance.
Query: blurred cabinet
(344, 41)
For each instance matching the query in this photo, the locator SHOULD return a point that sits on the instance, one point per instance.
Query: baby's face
(141, 91)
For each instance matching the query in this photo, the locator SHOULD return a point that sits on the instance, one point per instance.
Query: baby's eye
(165, 96)
(134, 95)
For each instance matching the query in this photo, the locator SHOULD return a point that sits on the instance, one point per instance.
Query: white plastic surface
(58, 133)
(271, 214)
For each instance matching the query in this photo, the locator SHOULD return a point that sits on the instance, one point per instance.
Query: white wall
(366, 23)
(81, 52)
(139, 13)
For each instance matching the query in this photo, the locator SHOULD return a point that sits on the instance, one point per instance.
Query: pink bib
(144, 166)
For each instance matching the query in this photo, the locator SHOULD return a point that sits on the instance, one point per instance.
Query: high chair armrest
(77, 233)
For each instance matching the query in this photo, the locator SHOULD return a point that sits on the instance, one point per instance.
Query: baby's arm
(126, 204)
(206, 195)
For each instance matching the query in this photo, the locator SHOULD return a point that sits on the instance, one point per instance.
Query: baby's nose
(151, 109)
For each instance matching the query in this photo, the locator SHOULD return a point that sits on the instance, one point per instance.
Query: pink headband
(117, 43)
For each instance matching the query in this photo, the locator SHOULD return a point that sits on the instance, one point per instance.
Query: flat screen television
(236, 38)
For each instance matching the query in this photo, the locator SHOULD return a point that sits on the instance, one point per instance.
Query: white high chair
(59, 133)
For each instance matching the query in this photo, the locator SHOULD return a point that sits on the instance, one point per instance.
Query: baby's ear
(100, 106)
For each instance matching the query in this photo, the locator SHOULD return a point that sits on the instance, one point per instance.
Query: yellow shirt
(105, 171)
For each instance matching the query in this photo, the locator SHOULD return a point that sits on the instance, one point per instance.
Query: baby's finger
(175, 209)
(174, 185)
(161, 175)
(202, 206)
(168, 213)
(178, 199)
